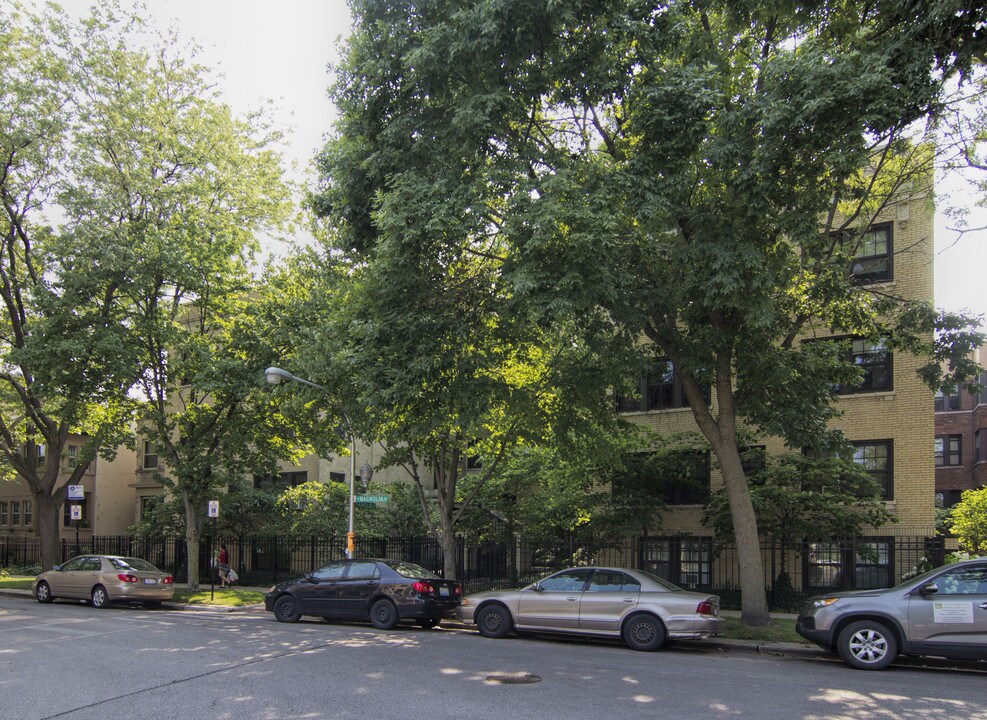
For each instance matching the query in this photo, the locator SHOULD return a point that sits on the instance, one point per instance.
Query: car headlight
(823, 602)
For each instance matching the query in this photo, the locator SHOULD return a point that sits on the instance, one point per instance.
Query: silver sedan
(643, 609)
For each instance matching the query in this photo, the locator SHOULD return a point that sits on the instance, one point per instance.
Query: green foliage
(968, 521)
(797, 497)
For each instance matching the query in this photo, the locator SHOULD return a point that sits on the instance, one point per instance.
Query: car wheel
(383, 615)
(43, 593)
(99, 598)
(867, 645)
(494, 621)
(427, 623)
(644, 632)
(286, 610)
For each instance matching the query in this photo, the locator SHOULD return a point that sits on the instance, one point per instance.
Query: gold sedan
(105, 579)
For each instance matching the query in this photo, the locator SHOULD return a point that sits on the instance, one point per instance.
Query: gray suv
(942, 612)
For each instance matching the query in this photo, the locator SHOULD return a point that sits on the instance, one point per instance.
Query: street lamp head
(276, 376)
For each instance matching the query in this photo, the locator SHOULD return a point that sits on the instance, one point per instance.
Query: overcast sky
(280, 51)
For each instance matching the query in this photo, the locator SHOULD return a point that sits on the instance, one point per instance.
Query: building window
(28, 514)
(337, 477)
(688, 483)
(875, 363)
(150, 456)
(875, 457)
(686, 561)
(288, 478)
(659, 388)
(948, 450)
(4, 512)
(15, 512)
(947, 402)
(872, 255)
(148, 504)
(72, 456)
(978, 447)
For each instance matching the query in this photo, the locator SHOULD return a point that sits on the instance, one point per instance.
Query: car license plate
(150, 581)
(443, 591)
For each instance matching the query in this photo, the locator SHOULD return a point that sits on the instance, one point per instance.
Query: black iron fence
(792, 571)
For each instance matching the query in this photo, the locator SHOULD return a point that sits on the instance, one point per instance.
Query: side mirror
(928, 589)
(56, 567)
(537, 587)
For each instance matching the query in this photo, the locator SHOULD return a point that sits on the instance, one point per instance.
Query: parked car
(105, 579)
(643, 609)
(941, 613)
(383, 591)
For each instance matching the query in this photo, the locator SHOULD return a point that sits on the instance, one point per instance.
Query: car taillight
(457, 590)
(168, 580)
(705, 608)
(422, 587)
(123, 577)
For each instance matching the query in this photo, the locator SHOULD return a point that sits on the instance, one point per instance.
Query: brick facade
(961, 428)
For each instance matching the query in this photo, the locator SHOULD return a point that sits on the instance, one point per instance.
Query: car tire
(644, 632)
(867, 645)
(383, 615)
(286, 609)
(428, 623)
(494, 621)
(99, 598)
(43, 592)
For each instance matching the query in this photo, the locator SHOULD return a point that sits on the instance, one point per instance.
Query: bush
(31, 569)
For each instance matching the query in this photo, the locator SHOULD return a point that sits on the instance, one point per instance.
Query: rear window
(133, 564)
(410, 570)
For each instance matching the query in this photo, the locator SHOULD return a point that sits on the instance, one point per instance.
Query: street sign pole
(213, 513)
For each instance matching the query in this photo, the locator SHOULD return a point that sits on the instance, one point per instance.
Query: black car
(385, 591)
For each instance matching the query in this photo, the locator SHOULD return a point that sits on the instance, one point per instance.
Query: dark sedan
(383, 591)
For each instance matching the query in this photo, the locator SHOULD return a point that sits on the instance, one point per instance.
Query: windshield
(410, 570)
(661, 581)
(133, 564)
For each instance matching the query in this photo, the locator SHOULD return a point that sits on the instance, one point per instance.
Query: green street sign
(371, 499)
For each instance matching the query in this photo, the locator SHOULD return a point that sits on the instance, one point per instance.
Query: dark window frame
(947, 403)
(948, 450)
(874, 268)
(884, 477)
(696, 489)
(659, 388)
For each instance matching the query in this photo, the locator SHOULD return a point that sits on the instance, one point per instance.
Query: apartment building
(888, 417)
(960, 447)
(106, 507)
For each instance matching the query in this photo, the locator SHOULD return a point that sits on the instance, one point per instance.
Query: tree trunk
(754, 599)
(48, 521)
(448, 542)
(192, 536)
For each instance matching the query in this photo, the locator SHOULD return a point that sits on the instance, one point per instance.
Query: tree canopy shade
(160, 193)
(968, 521)
(684, 171)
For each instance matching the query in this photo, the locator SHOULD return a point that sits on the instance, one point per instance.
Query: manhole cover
(519, 678)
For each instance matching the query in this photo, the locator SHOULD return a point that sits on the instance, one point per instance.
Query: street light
(276, 376)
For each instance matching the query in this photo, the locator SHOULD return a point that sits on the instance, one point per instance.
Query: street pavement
(66, 660)
(776, 648)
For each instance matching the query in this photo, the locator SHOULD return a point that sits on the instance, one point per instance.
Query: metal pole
(351, 536)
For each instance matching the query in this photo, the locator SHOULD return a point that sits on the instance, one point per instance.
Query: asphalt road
(70, 661)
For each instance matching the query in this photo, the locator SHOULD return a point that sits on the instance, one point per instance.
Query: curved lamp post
(276, 376)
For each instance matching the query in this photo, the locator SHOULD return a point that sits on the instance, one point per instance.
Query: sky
(280, 51)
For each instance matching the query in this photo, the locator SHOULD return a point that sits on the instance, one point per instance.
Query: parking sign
(214, 508)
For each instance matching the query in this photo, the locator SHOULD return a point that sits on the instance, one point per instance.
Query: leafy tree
(968, 521)
(65, 362)
(175, 189)
(688, 172)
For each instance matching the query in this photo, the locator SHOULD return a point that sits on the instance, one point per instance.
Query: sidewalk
(724, 644)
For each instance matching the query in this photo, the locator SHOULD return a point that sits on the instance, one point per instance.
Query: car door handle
(983, 606)
(571, 599)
